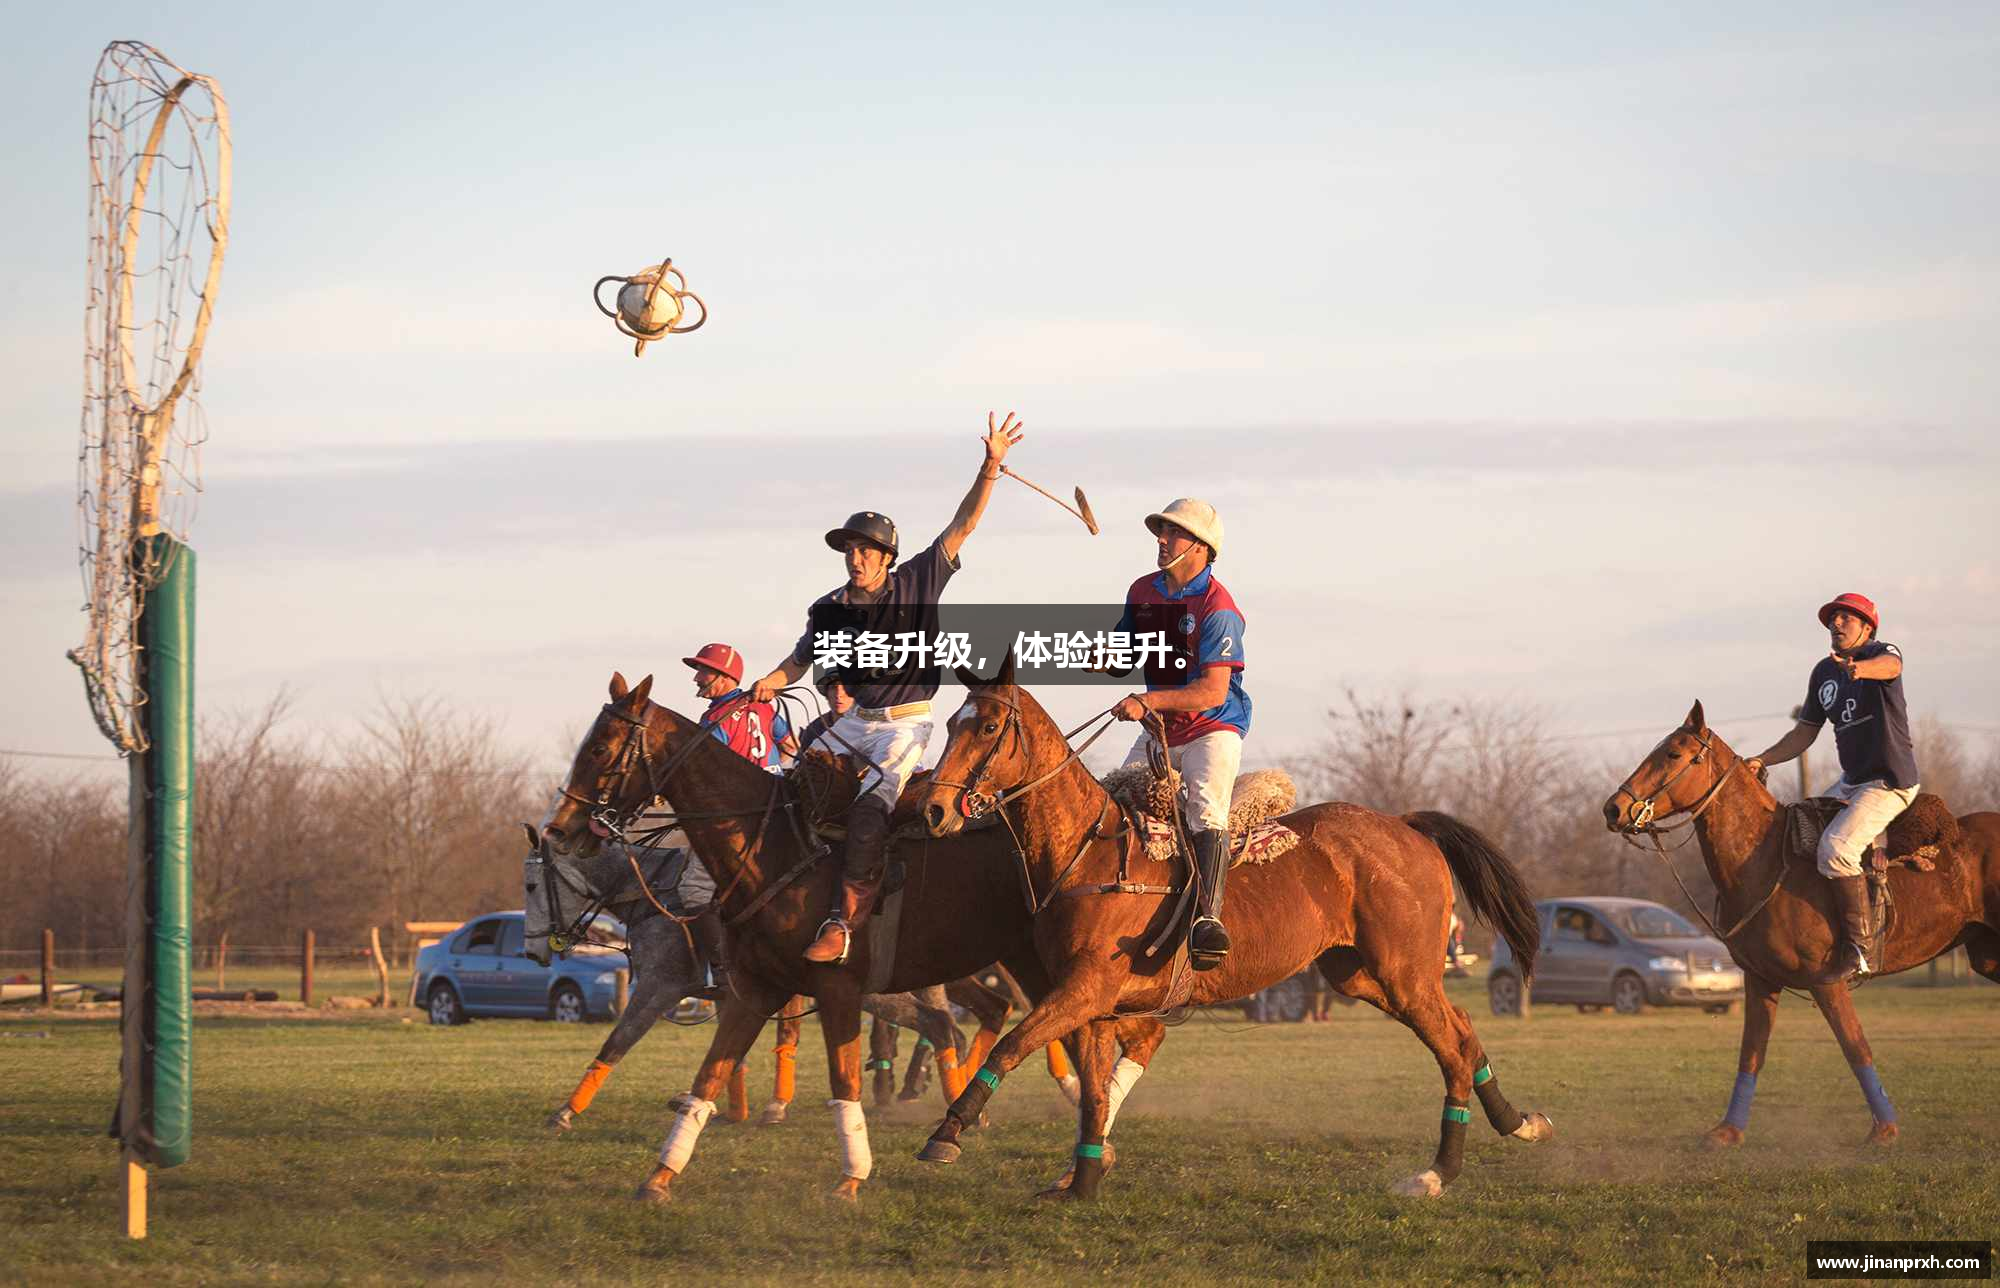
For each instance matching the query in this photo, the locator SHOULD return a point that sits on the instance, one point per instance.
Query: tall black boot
(1208, 942)
(867, 841)
(1850, 959)
(706, 932)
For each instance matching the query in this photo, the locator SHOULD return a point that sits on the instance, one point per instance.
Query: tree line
(417, 816)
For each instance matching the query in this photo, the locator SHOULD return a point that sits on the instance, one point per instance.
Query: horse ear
(1696, 720)
(618, 686)
(640, 694)
(966, 676)
(534, 838)
(1006, 676)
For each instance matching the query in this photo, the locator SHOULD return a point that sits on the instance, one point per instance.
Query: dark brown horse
(1365, 896)
(961, 904)
(1779, 918)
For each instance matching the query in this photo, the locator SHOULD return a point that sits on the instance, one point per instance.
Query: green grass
(371, 1149)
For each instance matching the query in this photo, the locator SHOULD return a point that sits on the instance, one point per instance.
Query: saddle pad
(1262, 843)
(1918, 836)
(1256, 796)
(881, 932)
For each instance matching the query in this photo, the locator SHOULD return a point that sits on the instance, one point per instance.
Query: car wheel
(1628, 995)
(1723, 1008)
(1503, 994)
(567, 1005)
(443, 1005)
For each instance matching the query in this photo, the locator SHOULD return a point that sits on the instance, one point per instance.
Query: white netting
(159, 222)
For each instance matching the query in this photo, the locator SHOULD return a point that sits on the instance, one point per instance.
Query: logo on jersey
(1847, 712)
(1827, 693)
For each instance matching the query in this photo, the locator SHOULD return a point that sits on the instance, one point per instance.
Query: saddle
(1917, 838)
(1255, 802)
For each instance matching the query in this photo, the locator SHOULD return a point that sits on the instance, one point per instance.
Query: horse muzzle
(941, 821)
(1625, 813)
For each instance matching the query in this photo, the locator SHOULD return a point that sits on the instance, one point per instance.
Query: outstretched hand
(999, 438)
(1131, 707)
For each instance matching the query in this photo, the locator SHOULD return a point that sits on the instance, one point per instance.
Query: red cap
(1860, 605)
(719, 657)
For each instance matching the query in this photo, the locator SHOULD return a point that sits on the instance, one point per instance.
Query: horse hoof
(774, 1113)
(1535, 1128)
(939, 1151)
(1723, 1136)
(657, 1188)
(1059, 1190)
(848, 1191)
(559, 1121)
(1424, 1185)
(1882, 1135)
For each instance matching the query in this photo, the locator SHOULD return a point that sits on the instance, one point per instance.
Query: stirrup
(1202, 958)
(846, 941)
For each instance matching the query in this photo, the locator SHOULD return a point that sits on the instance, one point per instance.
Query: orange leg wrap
(1058, 1061)
(788, 1073)
(982, 1044)
(586, 1091)
(739, 1098)
(948, 1071)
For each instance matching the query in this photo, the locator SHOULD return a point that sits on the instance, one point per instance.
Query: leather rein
(633, 755)
(978, 797)
(1642, 824)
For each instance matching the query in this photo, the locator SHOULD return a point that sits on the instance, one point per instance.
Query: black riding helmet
(865, 525)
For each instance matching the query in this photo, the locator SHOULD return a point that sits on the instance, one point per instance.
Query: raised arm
(782, 675)
(998, 440)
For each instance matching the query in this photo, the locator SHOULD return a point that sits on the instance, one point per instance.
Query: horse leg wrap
(1451, 1140)
(857, 1160)
(1122, 1079)
(693, 1116)
(1878, 1099)
(971, 1102)
(586, 1090)
(1504, 1117)
(787, 1083)
(948, 1071)
(982, 1045)
(1059, 1062)
(1738, 1114)
(1088, 1172)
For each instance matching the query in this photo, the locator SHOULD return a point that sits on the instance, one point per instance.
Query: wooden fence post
(381, 967)
(222, 963)
(48, 967)
(306, 968)
(621, 990)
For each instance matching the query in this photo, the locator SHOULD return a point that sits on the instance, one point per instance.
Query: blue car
(479, 969)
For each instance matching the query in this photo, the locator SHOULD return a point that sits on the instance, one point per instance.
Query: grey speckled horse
(664, 971)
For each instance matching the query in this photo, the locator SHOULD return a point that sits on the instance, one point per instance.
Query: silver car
(1627, 954)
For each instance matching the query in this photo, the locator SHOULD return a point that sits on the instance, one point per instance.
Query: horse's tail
(1491, 883)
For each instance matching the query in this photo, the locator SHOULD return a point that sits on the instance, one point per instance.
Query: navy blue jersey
(1871, 723)
(908, 604)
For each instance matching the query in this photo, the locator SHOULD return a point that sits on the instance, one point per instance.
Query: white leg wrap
(856, 1159)
(693, 1116)
(1122, 1079)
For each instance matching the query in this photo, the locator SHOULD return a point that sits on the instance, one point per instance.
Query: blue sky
(1559, 354)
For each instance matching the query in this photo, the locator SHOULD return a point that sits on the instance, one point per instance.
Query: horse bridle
(974, 801)
(1645, 810)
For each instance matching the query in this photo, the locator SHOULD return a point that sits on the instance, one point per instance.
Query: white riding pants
(1208, 767)
(1871, 807)
(892, 748)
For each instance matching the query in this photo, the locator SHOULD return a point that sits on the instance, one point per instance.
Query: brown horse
(961, 904)
(1779, 918)
(1365, 896)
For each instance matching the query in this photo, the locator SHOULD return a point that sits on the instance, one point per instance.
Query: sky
(1540, 354)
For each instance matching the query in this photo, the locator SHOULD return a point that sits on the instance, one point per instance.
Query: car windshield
(1654, 923)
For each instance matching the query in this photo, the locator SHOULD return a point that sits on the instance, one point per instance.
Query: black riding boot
(1850, 896)
(867, 841)
(706, 932)
(1208, 942)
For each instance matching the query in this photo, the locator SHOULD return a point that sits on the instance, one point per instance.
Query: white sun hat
(1197, 518)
